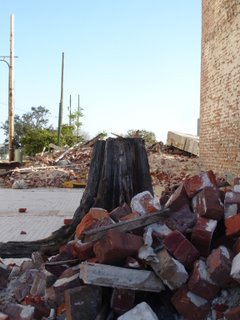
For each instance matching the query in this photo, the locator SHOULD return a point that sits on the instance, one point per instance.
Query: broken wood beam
(118, 277)
(125, 226)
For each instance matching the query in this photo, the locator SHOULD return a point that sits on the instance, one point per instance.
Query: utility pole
(11, 93)
(61, 102)
(78, 117)
(70, 110)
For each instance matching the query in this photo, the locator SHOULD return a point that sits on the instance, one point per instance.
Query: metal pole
(70, 110)
(78, 117)
(11, 92)
(61, 102)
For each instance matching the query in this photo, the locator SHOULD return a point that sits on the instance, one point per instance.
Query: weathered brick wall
(220, 86)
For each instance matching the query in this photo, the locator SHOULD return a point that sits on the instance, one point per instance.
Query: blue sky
(135, 63)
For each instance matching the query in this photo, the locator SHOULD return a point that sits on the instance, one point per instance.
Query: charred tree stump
(119, 170)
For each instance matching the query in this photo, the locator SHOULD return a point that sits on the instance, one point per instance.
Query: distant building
(220, 86)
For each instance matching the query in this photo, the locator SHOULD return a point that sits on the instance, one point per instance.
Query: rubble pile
(168, 167)
(177, 257)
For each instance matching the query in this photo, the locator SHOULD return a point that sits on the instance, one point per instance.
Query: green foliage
(148, 136)
(34, 140)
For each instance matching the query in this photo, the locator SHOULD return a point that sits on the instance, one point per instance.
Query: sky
(134, 63)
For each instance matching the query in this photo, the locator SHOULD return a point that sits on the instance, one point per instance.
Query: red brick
(200, 282)
(202, 234)
(178, 199)
(80, 250)
(219, 266)
(236, 247)
(172, 240)
(130, 216)
(94, 215)
(116, 246)
(232, 225)
(189, 305)
(196, 183)
(186, 253)
(232, 314)
(120, 212)
(122, 300)
(181, 220)
(231, 203)
(207, 203)
(4, 316)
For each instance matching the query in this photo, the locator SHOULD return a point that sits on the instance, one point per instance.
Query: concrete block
(116, 246)
(117, 277)
(200, 283)
(207, 203)
(196, 183)
(142, 311)
(171, 271)
(202, 234)
(219, 264)
(83, 302)
(183, 141)
(190, 305)
(122, 300)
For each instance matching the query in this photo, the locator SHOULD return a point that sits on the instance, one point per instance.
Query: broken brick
(232, 225)
(83, 302)
(4, 316)
(231, 203)
(178, 199)
(140, 311)
(144, 203)
(186, 253)
(219, 266)
(232, 314)
(116, 246)
(202, 234)
(235, 268)
(122, 300)
(236, 246)
(172, 240)
(83, 251)
(190, 305)
(19, 311)
(182, 220)
(130, 216)
(207, 203)
(120, 212)
(200, 282)
(94, 215)
(196, 183)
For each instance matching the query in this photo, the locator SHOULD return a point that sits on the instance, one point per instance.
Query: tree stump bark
(119, 170)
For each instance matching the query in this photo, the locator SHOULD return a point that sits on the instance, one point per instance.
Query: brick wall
(220, 86)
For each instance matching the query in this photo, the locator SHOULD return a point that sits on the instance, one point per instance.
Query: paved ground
(46, 210)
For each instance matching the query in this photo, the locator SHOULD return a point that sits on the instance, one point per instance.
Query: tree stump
(119, 170)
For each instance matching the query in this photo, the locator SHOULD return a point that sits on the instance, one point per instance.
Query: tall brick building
(220, 86)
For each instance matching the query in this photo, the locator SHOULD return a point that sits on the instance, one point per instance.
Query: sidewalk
(46, 210)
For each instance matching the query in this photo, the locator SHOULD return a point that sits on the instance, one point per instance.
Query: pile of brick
(177, 257)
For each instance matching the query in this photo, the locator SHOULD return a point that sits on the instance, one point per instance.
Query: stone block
(202, 234)
(139, 312)
(120, 212)
(232, 225)
(207, 203)
(186, 253)
(94, 215)
(181, 220)
(83, 302)
(196, 183)
(122, 300)
(178, 199)
(116, 246)
(144, 203)
(232, 314)
(170, 271)
(200, 283)
(190, 305)
(219, 264)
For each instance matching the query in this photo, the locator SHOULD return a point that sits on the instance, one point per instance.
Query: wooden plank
(125, 226)
(118, 277)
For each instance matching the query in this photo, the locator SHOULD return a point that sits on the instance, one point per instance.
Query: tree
(148, 136)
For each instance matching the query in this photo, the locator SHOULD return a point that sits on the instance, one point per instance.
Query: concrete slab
(46, 210)
(183, 141)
